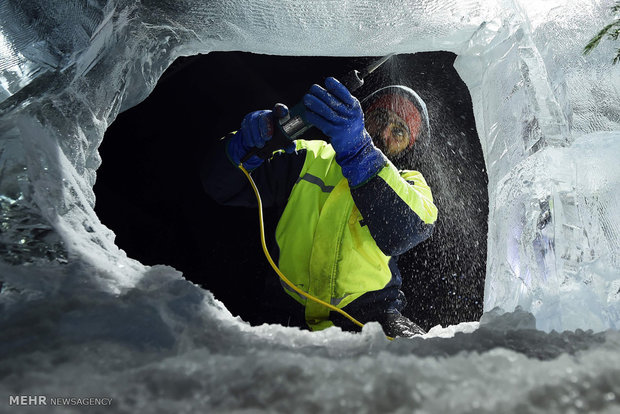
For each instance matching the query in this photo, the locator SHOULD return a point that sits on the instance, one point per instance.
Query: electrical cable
(275, 267)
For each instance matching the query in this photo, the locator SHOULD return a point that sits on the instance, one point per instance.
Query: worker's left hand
(338, 114)
(256, 131)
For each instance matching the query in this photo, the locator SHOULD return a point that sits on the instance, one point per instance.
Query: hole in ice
(149, 193)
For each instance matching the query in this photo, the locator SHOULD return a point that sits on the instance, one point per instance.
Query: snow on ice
(81, 319)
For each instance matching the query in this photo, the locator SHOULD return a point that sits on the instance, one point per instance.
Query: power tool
(295, 125)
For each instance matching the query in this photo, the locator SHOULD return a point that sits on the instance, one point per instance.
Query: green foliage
(612, 31)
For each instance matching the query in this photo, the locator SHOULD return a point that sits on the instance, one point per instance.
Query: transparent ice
(80, 318)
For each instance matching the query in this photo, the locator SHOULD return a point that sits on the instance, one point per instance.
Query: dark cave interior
(149, 191)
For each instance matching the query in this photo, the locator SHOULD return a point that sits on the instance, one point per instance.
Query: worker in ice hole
(346, 212)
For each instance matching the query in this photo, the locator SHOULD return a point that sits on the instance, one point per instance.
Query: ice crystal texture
(73, 303)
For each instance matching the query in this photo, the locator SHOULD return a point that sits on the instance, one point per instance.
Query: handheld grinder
(295, 125)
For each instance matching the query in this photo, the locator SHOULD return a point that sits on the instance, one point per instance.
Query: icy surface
(168, 346)
(559, 211)
(79, 317)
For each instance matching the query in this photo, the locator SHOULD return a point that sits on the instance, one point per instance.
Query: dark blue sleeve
(394, 226)
(226, 184)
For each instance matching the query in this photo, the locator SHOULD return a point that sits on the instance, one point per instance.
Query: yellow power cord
(275, 267)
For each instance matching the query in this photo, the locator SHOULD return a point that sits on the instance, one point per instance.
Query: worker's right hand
(338, 114)
(256, 129)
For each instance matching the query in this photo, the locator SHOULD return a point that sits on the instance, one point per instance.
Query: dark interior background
(149, 192)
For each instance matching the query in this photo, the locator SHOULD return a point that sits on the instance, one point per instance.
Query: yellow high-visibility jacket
(339, 244)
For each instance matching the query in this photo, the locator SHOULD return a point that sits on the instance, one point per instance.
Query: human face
(389, 132)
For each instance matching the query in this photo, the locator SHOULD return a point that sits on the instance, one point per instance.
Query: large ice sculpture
(558, 235)
(548, 121)
(68, 70)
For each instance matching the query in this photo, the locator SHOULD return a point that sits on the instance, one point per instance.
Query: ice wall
(553, 220)
(79, 318)
(67, 69)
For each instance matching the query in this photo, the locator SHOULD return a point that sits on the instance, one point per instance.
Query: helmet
(406, 104)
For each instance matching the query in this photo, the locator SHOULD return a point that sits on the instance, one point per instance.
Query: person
(347, 213)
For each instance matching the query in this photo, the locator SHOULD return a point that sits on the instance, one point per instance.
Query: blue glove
(256, 129)
(338, 114)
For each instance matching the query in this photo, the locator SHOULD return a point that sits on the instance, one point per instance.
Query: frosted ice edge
(517, 72)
